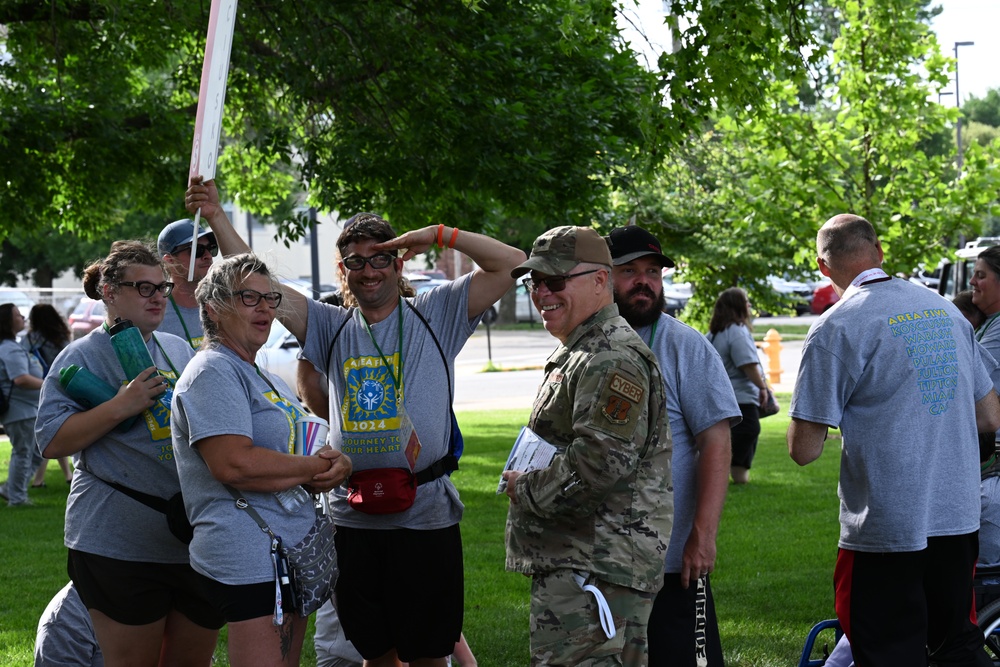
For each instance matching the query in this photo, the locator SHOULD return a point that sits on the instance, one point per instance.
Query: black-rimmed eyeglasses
(251, 297)
(554, 283)
(146, 289)
(357, 262)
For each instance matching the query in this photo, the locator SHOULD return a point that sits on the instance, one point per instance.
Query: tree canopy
(503, 117)
(744, 198)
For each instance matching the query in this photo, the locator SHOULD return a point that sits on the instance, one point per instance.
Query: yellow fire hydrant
(772, 348)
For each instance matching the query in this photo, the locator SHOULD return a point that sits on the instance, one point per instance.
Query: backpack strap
(448, 463)
(329, 352)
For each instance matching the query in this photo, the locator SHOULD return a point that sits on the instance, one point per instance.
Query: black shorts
(241, 602)
(683, 628)
(401, 589)
(139, 593)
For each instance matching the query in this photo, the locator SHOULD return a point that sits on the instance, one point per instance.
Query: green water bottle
(133, 355)
(89, 390)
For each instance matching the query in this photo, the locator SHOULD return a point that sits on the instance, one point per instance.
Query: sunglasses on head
(201, 249)
(357, 262)
(554, 283)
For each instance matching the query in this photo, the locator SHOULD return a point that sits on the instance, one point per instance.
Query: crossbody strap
(153, 502)
(243, 504)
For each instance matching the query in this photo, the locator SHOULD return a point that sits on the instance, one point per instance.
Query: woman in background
(47, 335)
(20, 380)
(730, 333)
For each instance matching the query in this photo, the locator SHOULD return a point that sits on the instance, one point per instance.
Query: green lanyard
(397, 383)
(652, 334)
(187, 334)
(986, 325)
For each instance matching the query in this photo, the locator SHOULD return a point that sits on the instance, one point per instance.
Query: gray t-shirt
(220, 394)
(989, 523)
(365, 410)
(14, 362)
(189, 329)
(736, 348)
(897, 368)
(65, 635)
(699, 395)
(99, 519)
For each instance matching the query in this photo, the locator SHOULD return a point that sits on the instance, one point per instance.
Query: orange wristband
(440, 236)
(454, 235)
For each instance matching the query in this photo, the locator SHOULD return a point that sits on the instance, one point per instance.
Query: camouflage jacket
(604, 505)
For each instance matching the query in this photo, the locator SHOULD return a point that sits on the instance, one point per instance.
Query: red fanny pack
(382, 490)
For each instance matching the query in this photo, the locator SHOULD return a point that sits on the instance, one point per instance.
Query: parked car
(792, 293)
(306, 288)
(823, 298)
(87, 316)
(524, 309)
(675, 294)
(23, 302)
(954, 276)
(926, 278)
(279, 354)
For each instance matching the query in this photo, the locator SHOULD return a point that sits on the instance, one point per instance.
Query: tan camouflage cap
(559, 250)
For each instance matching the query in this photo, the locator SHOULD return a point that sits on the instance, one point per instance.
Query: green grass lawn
(773, 579)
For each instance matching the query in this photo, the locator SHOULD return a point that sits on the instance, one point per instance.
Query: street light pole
(958, 103)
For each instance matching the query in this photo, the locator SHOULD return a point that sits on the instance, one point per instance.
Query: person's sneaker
(26, 503)
(3, 491)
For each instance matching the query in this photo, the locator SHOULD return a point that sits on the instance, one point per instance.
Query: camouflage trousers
(566, 628)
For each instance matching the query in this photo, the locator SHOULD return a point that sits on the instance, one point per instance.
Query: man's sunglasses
(554, 283)
(146, 289)
(202, 248)
(357, 262)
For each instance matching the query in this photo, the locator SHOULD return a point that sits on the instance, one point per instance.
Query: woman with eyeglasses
(233, 429)
(132, 573)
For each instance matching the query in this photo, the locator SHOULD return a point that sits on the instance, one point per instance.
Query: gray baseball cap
(178, 234)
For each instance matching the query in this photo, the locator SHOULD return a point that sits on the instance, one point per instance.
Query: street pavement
(528, 350)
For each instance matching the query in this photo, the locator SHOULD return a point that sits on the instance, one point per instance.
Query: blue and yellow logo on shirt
(371, 401)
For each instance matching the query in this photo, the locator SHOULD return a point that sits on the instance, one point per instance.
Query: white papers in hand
(530, 452)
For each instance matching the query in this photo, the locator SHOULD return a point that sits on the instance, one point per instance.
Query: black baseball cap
(631, 243)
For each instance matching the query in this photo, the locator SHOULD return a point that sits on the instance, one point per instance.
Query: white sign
(212, 96)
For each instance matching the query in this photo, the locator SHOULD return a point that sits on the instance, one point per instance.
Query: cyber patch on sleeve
(620, 404)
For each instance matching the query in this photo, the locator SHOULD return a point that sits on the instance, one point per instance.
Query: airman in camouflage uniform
(600, 514)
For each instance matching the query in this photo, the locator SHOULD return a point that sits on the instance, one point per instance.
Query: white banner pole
(211, 99)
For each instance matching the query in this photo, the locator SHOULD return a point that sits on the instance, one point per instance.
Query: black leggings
(745, 436)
